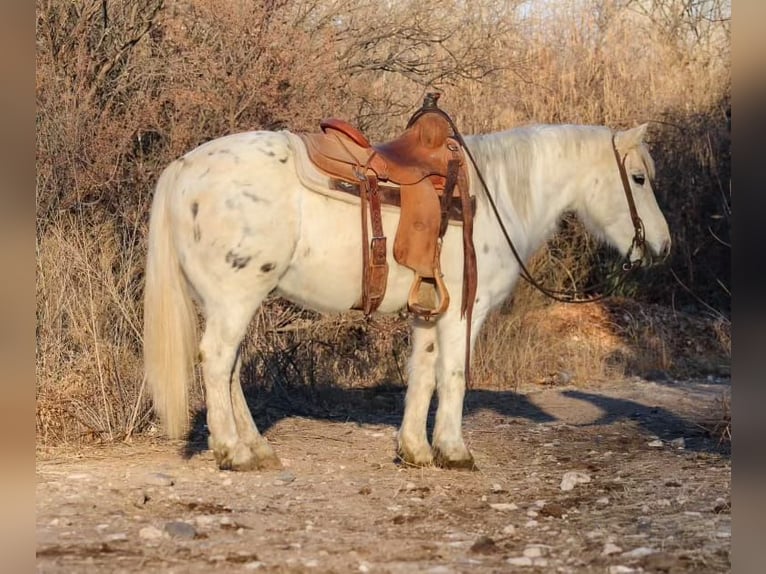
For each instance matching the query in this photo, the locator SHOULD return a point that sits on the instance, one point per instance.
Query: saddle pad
(317, 181)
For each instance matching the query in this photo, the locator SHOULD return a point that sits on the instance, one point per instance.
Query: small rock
(286, 477)
(535, 551)
(254, 565)
(679, 443)
(204, 520)
(655, 443)
(141, 499)
(553, 509)
(503, 506)
(724, 532)
(178, 529)
(639, 552)
(620, 569)
(603, 501)
(150, 533)
(364, 567)
(531, 524)
(563, 378)
(159, 479)
(572, 478)
(497, 488)
(313, 563)
(542, 562)
(520, 561)
(78, 476)
(116, 537)
(510, 529)
(532, 513)
(610, 548)
(484, 545)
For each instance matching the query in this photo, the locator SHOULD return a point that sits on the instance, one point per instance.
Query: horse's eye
(639, 178)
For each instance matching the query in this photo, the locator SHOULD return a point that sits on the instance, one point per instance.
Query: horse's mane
(506, 158)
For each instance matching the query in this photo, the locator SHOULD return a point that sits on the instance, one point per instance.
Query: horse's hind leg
(224, 329)
(421, 381)
(264, 455)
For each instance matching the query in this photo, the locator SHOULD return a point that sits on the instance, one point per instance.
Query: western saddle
(425, 174)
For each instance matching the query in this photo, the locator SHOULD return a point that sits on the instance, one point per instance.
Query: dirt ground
(651, 493)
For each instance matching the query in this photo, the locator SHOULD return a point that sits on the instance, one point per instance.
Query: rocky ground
(626, 477)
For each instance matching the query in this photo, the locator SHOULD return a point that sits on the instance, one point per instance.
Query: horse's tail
(170, 321)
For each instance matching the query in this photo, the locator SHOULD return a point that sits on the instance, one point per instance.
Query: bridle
(629, 264)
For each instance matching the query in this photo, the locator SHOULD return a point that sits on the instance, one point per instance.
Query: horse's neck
(533, 176)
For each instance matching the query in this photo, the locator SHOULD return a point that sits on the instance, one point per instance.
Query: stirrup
(428, 313)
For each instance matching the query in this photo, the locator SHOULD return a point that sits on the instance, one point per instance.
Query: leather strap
(378, 277)
(470, 272)
(374, 264)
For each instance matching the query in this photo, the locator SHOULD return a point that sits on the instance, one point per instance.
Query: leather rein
(629, 265)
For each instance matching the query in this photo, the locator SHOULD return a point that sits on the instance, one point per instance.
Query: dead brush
(117, 102)
(717, 423)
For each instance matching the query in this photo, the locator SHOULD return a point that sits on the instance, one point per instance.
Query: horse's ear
(628, 139)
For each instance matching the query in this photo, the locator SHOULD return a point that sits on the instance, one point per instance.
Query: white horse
(231, 223)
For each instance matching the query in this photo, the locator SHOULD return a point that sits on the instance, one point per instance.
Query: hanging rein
(629, 264)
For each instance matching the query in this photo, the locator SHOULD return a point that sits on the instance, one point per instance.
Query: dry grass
(118, 97)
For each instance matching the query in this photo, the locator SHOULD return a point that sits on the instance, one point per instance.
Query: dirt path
(342, 504)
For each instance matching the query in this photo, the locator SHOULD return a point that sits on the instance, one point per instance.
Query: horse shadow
(383, 404)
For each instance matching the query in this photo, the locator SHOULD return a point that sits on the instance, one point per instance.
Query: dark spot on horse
(485, 248)
(283, 159)
(231, 203)
(596, 181)
(430, 348)
(266, 267)
(204, 173)
(197, 233)
(195, 209)
(307, 252)
(237, 261)
(270, 153)
(251, 196)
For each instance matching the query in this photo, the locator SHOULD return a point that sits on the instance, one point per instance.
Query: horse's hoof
(270, 462)
(240, 458)
(264, 455)
(410, 459)
(458, 463)
(418, 459)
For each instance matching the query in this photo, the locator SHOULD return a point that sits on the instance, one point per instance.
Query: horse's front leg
(421, 381)
(449, 449)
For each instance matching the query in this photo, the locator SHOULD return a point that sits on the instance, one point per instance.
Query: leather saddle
(424, 172)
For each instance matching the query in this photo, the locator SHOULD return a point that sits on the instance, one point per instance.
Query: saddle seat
(423, 150)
